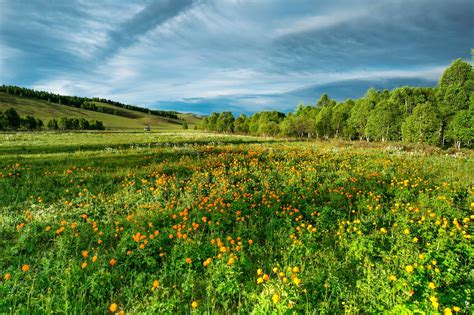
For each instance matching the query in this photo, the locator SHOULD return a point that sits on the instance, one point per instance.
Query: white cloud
(318, 22)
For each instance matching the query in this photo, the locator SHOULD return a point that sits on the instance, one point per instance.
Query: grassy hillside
(134, 120)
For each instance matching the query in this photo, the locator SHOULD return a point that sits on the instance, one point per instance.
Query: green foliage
(385, 121)
(10, 120)
(241, 124)
(65, 123)
(458, 73)
(423, 125)
(461, 128)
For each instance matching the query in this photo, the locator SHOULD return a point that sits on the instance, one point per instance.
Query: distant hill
(114, 117)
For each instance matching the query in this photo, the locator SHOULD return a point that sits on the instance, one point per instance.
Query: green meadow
(186, 222)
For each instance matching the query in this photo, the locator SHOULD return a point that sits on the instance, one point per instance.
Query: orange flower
(189, 260)
(207, 262)
(112, 262)
(7, 276)
(84, 265)
(25, 268)
(85, 253)
(94, 258)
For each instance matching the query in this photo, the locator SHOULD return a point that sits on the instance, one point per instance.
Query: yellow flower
(434, 302)
(415, 239)
(392, 278)
(84, 265)
(421, 256)
(275, 269)
(431, 285)
(296, 269)
(156, 284)
(259, 280)
(409, 268)
(275, 298)
(383, 230)
(194, 304)
(296, 281)
(406, 231)
(94, 258)
(259, 272)
(113, 307)
(447, 311)
(457, 309)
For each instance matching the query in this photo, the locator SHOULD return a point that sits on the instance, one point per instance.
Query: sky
(229, 55)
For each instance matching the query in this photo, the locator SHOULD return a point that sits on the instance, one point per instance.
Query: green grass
(234, 224)
(137, 121)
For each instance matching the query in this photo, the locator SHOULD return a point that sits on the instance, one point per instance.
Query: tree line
(443, 115)
(84, 102)
(11, 120)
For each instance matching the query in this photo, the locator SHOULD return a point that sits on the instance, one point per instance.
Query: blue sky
(216, 55)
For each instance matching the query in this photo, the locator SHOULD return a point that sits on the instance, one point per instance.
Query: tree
(53, 124)
(294, 124)
(84, 124)
(385, 121)
(212, 122)
(225, 122)
(204, 124)
(423, 125)
(360, 113)
(323, 122)
(461, 128)
(11, 119)
(459, 72)
(64, 124)
(408, 97)
(185, 125)
(453, 93)
(28, 123)
(241, 124)
(340, 117)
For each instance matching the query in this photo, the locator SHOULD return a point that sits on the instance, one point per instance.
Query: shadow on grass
(72, 148)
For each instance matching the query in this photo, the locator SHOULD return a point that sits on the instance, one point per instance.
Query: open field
(133, 120)
(193, 222)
